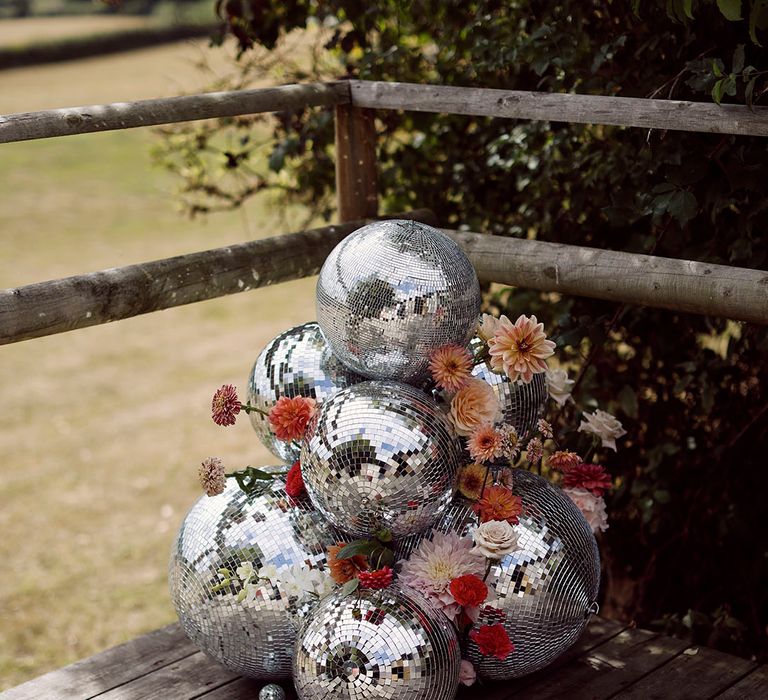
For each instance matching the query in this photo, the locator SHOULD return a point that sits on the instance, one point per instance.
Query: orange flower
(499, 503)
(343, 570)
(289, 418)
(520, 349)
(564, 460)
(474, 405)
(472, 478)
(486, 444)
(451, 367)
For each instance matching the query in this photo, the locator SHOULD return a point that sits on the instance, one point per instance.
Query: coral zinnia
(289, 418)
(520, 349)
(212, 477)
(493, 640)
(591, 477)
(294, 482)
(472, 478)
(486, 444)
(499, 503)
(451, 367)
(564, 460)
(343, 570)
(225, 405)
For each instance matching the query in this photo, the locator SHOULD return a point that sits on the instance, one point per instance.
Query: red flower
(225, 405)
(493, 640)
(591, 477)
(469, 590)
(294, 483)
(289, 418)
(380, 578)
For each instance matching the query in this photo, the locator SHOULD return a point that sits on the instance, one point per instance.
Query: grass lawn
(103, 428)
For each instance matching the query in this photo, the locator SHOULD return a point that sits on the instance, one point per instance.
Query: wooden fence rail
(51, 307)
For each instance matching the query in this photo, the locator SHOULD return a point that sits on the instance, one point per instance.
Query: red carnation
(493, 640)
(294, 482)
(289, 418)
(380, 578)
(225, 405)
(591, 477)
(469, 590)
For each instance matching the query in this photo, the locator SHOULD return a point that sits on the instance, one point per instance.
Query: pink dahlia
(520, 350)
(225, 405)
(486, 444)
(590, 477)
(289, 418)
(534, 450)
(437, 562)
(563, 460)
(212, 477)
(451, 367)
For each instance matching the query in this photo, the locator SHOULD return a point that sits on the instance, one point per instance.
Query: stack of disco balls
(379, 455)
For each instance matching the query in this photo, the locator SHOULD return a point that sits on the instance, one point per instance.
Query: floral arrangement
(449, 569)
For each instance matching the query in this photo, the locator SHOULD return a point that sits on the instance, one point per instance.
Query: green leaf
(688, 8)
(738, 59)
(731, 9)
(628, 400)
(717, 67)
(364, 547)
(717, 90)
(755, 19)
(748, 92)
(349, 587)
(683, 207)
(384, 535)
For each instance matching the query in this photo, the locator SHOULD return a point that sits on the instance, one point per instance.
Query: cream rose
(592, 507)
(495, 539)
(604, 425)
(473, 405)
(559, 386)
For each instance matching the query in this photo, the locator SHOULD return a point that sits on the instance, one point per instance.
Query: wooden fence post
(356, 182)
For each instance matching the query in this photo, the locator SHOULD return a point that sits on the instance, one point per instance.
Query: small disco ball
(253, 638)
(380, 455)
(297, 363)
(272, 692)
(391, 293)
(521, 404)
(387, 645)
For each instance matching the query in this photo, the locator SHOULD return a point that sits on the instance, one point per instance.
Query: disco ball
(297, 363)
(380, 455)
(272, 692)
(521, 404)
(387, 645)
(253, 638)
(392, 292)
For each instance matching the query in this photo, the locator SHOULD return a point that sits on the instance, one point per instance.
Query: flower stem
(253, 409)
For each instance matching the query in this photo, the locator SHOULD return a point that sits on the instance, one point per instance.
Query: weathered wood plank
(185, 679)
(127, 115)
(609, 668)
(563, 107)
(679, 285)
(356, 179)
(246, 689)
(752, 687)
(62, 305)
(108, 669)
(695, 674)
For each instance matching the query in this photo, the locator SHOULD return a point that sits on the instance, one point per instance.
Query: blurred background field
(102, 429)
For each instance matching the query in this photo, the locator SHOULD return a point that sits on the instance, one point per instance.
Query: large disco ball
(222, 532)
(387, 645)
(521, 404)
(297, 362)
(392, 292)
(545, 590)
(380, 455)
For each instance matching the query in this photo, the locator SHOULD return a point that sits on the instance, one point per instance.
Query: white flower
(245, 571)
(250, 590)
(592, 507)
(269, 572)
(495, 539)
(486, 329)
(299, 580)
(559, 385)
(604, 425)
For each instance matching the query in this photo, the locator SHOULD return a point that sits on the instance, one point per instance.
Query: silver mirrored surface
(388, 645)
(391, 293)
(380, 455)
(297, 362)
(253, 638)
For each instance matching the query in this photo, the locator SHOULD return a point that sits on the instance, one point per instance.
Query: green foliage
(692, 392)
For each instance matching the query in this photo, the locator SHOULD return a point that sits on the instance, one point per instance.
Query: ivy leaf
(717, 90)
(738, 59)
(730, 9)
(717, 67)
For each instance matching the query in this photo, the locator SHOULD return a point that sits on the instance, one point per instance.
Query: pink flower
(591, 477)
(375, 580)
(486, 444)
(437, 562)
(289, 418)
(520, 349)
(534, 451)
(592, 508)
(474, 405)
(451, 367)
(225, 405)
(467, 675)
(212, 477)
(564, 460)
(544, 428)
(510, 442)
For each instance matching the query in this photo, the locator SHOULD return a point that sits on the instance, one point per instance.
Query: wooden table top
(609, 661)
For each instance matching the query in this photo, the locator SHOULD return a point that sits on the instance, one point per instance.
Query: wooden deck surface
(609, 661)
